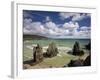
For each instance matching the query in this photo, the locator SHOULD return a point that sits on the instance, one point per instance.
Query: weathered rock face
(87, 61)
(75, 63)
(80, 62)
(37, 53)
(88, 46)
(76, 49)
(52, 50)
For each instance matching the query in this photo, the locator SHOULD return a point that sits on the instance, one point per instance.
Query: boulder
(87, 61)
(75, 63)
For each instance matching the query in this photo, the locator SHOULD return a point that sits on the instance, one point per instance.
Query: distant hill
(33, 37)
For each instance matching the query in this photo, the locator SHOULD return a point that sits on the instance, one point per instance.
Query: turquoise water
(27, 52)
(60, 42)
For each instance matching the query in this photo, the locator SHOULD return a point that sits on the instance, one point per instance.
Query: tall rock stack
(38, 53)
(76, 49)
(52, 50)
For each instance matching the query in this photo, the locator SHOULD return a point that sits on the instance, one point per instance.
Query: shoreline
(58, 61)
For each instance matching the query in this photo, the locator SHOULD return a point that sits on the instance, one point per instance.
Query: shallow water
(66, 43)
(59, 42)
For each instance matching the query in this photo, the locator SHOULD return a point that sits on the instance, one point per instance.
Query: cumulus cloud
(65, 15)
(50, 25)
(27, 15)
(51, 29)
(71, 25)
(84, 32)
(32, 27)
(26, 22)
(78, 17)
(74, 16)
(85, 28)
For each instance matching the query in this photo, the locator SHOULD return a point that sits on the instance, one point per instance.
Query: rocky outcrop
(87, 61)
(37, 53)
(75, 63)
(79, 62)
(52, 50)
(88, 46)
(76, 49)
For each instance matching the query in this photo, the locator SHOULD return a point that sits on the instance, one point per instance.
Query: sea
(60, 42)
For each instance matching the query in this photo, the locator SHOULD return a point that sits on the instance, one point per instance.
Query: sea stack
(38, 53)
(52, 50)
(76, 49)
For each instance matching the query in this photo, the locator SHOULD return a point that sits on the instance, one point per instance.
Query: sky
(57, 24)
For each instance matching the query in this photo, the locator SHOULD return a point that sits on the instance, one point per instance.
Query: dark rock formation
(52, 50)
(75, 63)
(87, 61)
(76, 49)
(80, 62)
(37, 53)
(88, 46)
